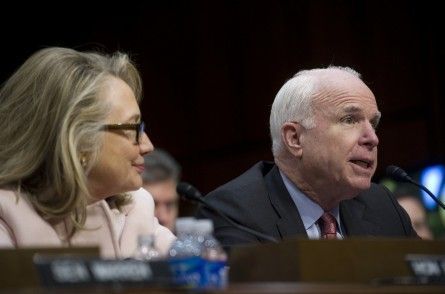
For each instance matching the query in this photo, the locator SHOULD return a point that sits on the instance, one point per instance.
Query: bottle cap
(184, 224)
(204, 226)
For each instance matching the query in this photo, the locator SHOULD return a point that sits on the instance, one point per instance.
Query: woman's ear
(291, 135)
(83, 157)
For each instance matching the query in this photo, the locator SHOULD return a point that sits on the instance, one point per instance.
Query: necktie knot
(328, 226)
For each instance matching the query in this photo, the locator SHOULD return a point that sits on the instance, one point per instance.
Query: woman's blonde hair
(50, 122)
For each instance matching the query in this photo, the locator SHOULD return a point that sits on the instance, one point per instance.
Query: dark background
(211, 69)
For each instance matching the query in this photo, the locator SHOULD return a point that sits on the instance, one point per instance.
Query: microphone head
(187, 190)
(397, 174)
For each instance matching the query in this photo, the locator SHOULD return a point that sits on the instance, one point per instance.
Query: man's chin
(361, 184)
(357, 186)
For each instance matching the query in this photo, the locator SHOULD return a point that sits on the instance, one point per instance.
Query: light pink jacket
(114, 232)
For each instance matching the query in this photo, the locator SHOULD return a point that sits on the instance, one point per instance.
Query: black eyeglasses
(139, 128)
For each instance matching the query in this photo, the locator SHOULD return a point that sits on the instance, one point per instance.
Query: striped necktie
(328, 226)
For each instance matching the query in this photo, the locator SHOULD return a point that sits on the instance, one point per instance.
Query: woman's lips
(139, 167)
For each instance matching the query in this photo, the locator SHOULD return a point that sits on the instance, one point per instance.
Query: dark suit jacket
(259, 200)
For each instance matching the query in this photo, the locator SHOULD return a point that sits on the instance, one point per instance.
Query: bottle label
(187, 271)
(196, 272)
(216, 274)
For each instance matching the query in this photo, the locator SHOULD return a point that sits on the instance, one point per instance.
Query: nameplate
(432, 266)
(70, 271)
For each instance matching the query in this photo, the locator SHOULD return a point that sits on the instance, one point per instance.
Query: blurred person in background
(409, 198)
(161, 175)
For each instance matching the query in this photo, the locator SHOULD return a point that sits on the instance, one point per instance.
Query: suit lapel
(354, 220)
(289, 222)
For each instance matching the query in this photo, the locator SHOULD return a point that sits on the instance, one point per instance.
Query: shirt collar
(309, 211)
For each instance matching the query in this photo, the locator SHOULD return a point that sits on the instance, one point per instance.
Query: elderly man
(323, 126)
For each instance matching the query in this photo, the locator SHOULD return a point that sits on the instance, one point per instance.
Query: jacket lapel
(289, 223)
(354, 220)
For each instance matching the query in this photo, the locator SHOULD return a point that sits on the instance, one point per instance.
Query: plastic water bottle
(185, 245)
(211, 249)
(215, 266)
(145, 250)
(184, 255)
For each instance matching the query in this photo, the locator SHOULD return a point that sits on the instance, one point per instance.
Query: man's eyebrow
(355, 109)
(351, 109)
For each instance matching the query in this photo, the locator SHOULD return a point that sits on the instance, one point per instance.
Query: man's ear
(290, 135)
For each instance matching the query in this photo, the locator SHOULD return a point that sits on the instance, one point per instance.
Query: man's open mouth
(362, 163)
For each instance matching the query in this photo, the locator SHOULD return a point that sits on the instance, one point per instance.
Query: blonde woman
(72, 143)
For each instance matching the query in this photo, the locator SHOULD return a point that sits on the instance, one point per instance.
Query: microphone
(400, 175)
(191, 193)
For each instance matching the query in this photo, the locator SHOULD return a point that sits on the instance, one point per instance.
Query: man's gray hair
(160, 166)
(293, 102)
